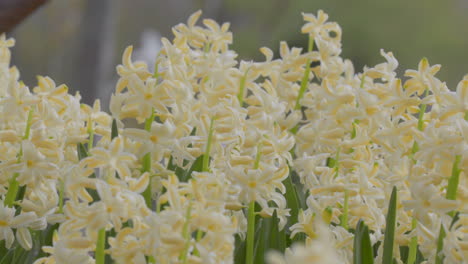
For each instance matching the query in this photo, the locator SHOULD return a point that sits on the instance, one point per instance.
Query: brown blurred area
(79, 42)
(12, 12)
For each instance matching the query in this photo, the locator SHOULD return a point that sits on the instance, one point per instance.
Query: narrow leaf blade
(390, 229)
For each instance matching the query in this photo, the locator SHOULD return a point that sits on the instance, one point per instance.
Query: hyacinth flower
(299, 158)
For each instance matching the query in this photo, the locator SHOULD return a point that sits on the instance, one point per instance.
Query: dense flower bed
(297, 159)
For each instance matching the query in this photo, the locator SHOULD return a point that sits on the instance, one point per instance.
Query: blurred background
(79, 42)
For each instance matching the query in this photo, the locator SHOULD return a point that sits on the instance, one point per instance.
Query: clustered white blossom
(240, 130)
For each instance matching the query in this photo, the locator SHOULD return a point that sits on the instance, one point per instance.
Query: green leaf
(268, 237)
(362, 245)
(261, 238)
(197, 166)
(250, 249)
(8, 258)
(454, 219)
(295, 199)
(111, 233)
(239, 250)
(82, 152)
(390, 229)
(331, 162)
(277, 239)
(179, 172)
(440, 245)
(114, 130)
(292, 199)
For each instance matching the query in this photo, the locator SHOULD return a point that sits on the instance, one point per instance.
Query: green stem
(250, 233)
(453, 182)
(304, 82)
(27, 131)
(147, 192)
(422, 110)
(13, 185)
(344, 216)
(61, 192)
(450, 195)
(362, 81)
(240, 95)
(251, 215)
(149, 121)
(206, 156)
(354, 132)
(12, 191)
(259, 156)
(413, 247)
(337, 163)
(156, 70)
(186, 234)
(454, 179)
(146, 164)
(101, 242)
(305, 78)
(90, 134)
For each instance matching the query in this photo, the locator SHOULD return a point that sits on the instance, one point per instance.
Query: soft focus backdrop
(79, 42)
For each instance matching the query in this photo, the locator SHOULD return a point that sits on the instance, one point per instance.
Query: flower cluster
(225, 153)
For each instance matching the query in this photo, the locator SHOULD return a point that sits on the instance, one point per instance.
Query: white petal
(9, 237)
(24, 238)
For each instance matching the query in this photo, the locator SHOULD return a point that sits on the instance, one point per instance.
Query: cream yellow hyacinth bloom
(223, 145)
